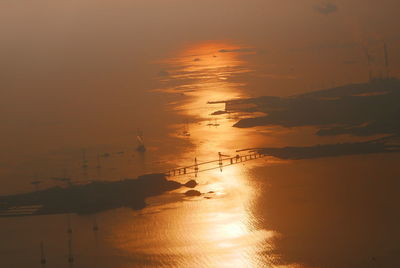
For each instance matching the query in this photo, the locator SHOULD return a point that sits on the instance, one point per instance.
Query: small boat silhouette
(140, 148)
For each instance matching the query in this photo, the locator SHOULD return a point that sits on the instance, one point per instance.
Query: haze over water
(85, 76)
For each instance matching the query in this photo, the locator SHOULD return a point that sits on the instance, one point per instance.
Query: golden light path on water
(218, 228)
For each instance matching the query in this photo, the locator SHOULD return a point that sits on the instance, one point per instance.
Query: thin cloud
(326, 8)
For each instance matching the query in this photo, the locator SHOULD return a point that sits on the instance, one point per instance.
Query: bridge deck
(221, 162)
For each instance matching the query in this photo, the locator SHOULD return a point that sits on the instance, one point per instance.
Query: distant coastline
(89, 198)
(360, 110)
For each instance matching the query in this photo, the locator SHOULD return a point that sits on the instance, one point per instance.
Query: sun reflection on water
(216, 229)
(226, 225)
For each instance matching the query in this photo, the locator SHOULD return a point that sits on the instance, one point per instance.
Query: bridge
(222, 161)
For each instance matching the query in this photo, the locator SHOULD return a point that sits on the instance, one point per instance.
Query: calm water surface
(266, 213)
(86, 75)
(173, 231)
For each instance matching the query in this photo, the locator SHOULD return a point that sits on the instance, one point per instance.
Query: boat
(140, 148)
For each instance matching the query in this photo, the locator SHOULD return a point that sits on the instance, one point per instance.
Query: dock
(222, 161)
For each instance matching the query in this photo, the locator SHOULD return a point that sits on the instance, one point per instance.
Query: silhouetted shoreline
(89, 198)
(360, 110)
(384, 145)
(363, 109)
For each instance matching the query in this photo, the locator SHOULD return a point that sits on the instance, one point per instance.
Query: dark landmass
(357, 109)
(384, 145)
(89, 198)
(192, 193)
(365, 109)
(219, 112)
(191, 184)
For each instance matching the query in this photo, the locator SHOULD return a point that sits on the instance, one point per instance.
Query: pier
(222, 161)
